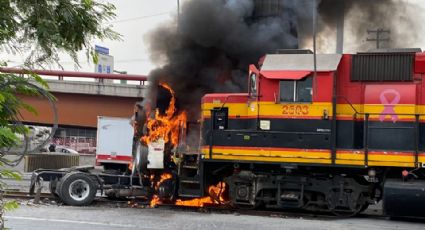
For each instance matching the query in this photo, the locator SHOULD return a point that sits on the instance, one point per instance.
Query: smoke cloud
(402, 18)
(209, 47)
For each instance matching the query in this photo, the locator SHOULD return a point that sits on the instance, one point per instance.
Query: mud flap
(404, 199)
(34, 180)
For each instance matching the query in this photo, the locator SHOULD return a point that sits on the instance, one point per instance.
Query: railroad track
(12, 194)
(99, 200)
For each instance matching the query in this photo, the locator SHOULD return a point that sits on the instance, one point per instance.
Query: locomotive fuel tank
(404, 198)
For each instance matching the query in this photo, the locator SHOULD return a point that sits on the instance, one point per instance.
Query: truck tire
(77, 189)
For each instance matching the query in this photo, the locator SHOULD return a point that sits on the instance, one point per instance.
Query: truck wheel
(77, 189)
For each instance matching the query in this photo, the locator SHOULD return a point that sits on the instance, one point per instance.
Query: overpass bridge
(81, 98)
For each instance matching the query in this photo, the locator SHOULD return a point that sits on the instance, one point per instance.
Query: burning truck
(164, 167)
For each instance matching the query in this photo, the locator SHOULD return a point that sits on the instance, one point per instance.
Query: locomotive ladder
(190, 179)
(189, 169)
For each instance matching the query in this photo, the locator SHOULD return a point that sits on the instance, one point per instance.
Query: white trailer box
(114, 141)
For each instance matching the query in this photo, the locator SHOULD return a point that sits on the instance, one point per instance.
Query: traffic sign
(101, 49)
(105, 64)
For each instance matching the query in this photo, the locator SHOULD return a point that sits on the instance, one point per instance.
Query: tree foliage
(10, 126)
(48, 27)
(40, 30)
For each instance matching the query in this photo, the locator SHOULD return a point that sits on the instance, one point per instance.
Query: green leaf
(7, 137)
(30, 109)
(10, 174)
(88, 3)
(10, 205)
(40, 80)
(95, 57)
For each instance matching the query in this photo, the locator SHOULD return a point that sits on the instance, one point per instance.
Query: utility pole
(340, 20)
(378, 37)
(314, 45)
(178, 15)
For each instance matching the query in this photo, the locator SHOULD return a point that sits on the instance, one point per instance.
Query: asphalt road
(49, 217)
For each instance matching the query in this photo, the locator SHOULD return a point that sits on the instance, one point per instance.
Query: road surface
(101, 217)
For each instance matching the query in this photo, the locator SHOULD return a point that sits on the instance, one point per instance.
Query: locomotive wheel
(77, 189)
(359, 207)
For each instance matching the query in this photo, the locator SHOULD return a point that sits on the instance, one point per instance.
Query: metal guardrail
(61, 74)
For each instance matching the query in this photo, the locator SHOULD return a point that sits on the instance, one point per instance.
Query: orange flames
(155, 199)
(163, 177)
(168, 125)
(216, 196)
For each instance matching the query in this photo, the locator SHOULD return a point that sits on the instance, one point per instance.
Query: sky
(135, 18)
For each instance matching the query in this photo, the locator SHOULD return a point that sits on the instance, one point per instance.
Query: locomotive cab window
(253, 85)
(296, 91)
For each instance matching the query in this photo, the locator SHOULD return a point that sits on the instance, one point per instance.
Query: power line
(378, 36)
(141, 17)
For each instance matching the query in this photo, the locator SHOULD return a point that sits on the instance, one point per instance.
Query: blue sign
(101, 49)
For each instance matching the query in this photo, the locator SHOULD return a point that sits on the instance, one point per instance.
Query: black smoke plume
(209, 48)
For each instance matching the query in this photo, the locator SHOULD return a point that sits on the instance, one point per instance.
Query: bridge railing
(60, 74)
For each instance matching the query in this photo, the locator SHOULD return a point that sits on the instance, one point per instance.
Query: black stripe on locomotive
(314, 134)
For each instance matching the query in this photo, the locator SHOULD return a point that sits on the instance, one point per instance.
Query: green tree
(40, 30)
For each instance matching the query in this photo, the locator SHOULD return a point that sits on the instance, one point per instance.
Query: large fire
(167, 125)
(163, 177)
(216, 197)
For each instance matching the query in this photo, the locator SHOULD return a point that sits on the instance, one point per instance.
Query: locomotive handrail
(402, 114)
(349, 103)
(357, 112)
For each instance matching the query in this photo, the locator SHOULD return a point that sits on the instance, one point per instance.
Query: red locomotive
(336, 137)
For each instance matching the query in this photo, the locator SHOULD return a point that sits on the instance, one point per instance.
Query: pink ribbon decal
(389, 106)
